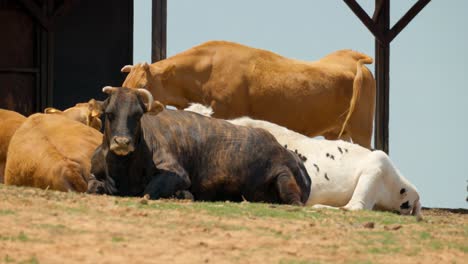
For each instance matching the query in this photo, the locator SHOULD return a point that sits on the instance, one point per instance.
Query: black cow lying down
(179, 154)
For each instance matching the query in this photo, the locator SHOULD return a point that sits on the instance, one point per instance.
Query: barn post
(381, 19)
(158, 31)
(49, 11)
(379, 26)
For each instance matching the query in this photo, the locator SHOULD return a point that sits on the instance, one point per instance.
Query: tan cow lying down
(9, 123)
(236, 80)
(343, 174)
(87, 113)
(51, 151)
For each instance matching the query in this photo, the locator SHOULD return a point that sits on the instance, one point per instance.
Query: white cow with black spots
(343, 174)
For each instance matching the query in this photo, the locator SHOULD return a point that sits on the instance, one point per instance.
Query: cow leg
(322, 206)
(167, 184)
(2, 170)
(184, 195)
(361, 126)
(370, 183)
(288, 189)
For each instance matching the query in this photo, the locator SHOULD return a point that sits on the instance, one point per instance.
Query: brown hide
(312, 98)
(88, 113)
(10, 121)
(51, 151)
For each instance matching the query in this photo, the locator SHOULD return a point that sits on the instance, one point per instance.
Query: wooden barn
(60, 52)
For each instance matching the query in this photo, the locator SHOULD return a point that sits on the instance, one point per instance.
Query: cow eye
(136, 114)
(110, 116)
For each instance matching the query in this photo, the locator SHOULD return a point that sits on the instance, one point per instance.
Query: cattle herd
(263, 152)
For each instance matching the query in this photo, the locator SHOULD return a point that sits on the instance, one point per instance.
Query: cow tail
(357, 83)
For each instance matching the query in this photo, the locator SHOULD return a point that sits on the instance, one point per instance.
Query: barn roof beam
(379, 26)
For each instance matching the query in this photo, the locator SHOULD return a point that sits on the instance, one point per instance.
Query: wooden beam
(380, 28)
(377, 10)
(64, 8)
(49, 11)
(36, 12)
(158, 32)
(366, 20)
(43, 51)
(404, 21)
(131, 15)
(382, 72)
(19, 70)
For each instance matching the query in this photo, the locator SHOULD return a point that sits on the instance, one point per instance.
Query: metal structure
(379, 26)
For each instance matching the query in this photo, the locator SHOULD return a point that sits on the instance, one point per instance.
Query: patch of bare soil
(38, 226)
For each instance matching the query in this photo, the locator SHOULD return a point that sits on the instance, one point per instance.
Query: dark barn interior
(61, 52)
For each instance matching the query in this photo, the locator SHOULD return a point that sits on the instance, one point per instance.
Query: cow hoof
(297, 203)
(184, 195)
(95, 187)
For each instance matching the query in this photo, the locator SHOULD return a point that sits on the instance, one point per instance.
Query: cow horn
(126, 68)
(109, 89)
(148, 96)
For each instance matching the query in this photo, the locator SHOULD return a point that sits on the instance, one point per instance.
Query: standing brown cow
(332, 96)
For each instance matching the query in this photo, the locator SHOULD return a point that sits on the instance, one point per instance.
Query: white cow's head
(408, 202)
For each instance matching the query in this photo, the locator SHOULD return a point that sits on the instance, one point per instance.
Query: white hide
(343, 174)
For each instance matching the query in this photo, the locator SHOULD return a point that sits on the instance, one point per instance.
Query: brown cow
(86, 113)
(332, 96)
(51, 151)
(9, 123)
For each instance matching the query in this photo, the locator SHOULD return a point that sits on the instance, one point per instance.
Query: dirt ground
(38, 226)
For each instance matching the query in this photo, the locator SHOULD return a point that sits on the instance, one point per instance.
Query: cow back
(224, 161)
(10, 121)
(51, 151)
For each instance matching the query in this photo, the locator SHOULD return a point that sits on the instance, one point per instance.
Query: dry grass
(38, 226)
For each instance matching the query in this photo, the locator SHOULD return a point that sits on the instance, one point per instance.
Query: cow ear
(51, 110)
(156, 108)
(168, 72)
(126, 68)
(95, 107)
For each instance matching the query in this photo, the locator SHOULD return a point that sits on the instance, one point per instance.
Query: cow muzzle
(121, 146)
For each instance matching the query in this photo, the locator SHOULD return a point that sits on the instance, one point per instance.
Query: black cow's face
(123, 110)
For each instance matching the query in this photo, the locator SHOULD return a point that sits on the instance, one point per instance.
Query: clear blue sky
(428, 80)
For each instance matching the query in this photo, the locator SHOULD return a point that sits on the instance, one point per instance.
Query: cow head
(408, 202)
(404, 200)
(138, 75)
(156, 78)
(87, 113)
(123, 110)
